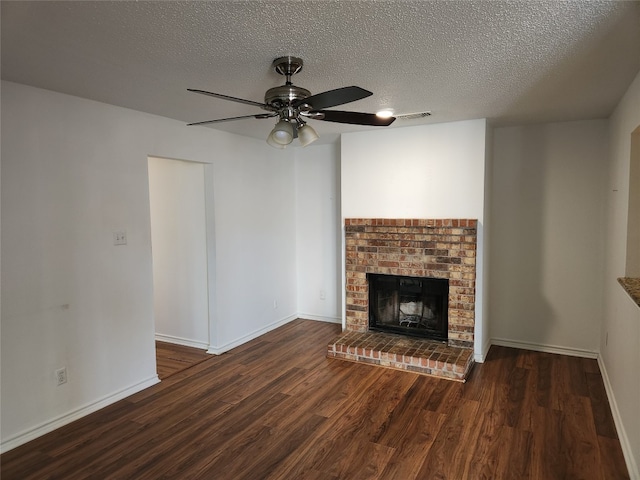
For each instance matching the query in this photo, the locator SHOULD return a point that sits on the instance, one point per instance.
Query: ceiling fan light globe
(307, 135)
(282, 133)
(283, 138)
(271, 141)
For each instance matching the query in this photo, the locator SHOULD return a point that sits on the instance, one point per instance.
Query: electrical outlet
(323, 295)
(275, 304)
(120, 238)
(61, 375)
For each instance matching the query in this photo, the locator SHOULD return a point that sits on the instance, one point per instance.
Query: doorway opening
(179, 251)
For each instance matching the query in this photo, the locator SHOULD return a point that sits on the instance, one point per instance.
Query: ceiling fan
(295, 105)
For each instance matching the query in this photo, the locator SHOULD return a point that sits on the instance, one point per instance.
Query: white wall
(318, 232)
(620, 338)
(429, 171)
(73, 172)
(255, 241)
(547, 235)
(633, 217)
(179, 251)
(483, 335)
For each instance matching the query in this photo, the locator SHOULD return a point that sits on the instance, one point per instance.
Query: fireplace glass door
(408, 305)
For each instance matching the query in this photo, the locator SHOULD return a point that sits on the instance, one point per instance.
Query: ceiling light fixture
(275, 144)
(384, 114)
(282, 133)
(306, 135)
(287, 129)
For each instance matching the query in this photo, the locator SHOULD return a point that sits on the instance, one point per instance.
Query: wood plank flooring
(277, 408)
(172, 358)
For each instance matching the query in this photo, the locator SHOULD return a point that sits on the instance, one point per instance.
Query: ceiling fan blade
(227, 97)
(259, 115)
(355, 118)
(335, 97)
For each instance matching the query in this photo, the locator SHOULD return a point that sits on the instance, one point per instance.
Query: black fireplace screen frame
(425, 301)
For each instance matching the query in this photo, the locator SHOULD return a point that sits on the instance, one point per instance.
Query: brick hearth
(403, 353)
(437, 248)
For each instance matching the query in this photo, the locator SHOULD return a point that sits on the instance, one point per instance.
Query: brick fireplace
(424, 248)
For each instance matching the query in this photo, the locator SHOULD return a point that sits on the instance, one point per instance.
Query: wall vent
(413, 116)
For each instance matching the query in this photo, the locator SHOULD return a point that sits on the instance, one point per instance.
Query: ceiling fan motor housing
(284, 95)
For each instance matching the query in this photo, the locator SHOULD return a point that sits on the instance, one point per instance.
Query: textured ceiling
(512, 62)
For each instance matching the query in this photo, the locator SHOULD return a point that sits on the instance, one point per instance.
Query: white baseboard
(480, 357)
(572, 352)
(73, 415)
(220, 349)
(181, 341)
(629, 459)
(320, 318)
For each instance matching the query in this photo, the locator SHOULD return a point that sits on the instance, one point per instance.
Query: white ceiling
(513, 62)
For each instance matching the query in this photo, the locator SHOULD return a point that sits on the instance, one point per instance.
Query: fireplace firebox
(409, 305)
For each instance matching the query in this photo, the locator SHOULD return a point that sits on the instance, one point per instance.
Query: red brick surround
(438, 248)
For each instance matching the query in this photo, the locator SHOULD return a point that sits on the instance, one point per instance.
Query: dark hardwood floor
(172, 358)
(277, 408)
